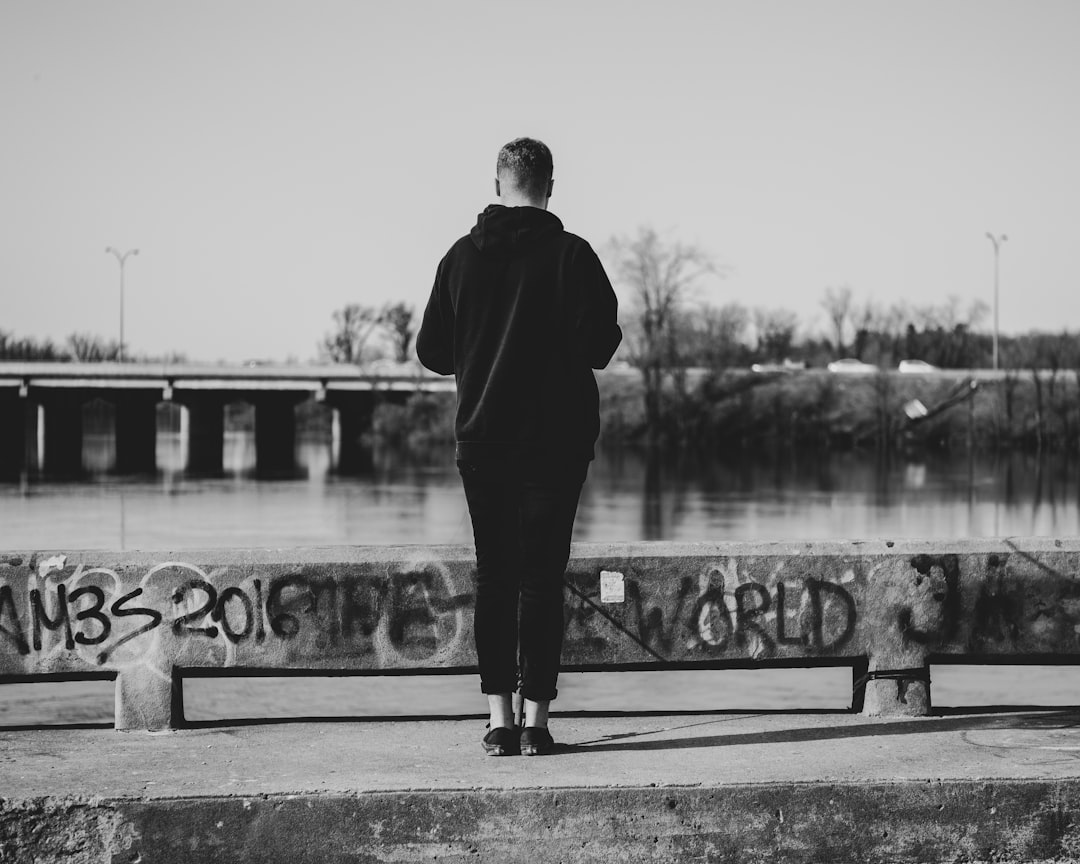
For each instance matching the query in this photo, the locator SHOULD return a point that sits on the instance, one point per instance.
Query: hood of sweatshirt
(503, 230)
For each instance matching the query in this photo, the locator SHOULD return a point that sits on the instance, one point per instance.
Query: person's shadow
(939, 722)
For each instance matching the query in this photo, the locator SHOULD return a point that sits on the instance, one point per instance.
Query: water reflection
(832, 496)
(415, 497)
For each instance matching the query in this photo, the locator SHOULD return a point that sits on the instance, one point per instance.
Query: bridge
(41, 408)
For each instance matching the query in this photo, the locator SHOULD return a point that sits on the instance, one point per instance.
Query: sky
(274, 161)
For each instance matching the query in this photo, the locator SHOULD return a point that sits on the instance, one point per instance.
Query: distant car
(785, 366)
(917, 367)
(851, 366)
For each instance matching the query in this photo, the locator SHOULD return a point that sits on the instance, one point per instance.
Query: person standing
(521, 313)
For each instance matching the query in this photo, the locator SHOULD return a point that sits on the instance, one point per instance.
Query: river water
(416, 498)
(409, 497)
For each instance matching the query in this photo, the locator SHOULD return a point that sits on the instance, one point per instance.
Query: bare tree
(1061, 355)
(1027, 355)
(88, 348)
(1009, 385)
(977, 312)
(722, 331)
(837, 305)
(353, 326)
(775, 332)
(927, 317)
(660, 278)
(865, 320)
(12, 348)
(397, 318)
(893, 323)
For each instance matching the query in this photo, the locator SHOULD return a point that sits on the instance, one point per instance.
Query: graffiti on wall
(405, 615)
(418, 613)
(899, 606)
(722, 613)
(411, 615)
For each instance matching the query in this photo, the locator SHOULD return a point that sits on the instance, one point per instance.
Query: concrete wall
(1005, 822)
(887, 608)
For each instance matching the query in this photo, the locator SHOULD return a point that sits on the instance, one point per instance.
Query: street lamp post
(997, 241)
(121, 258)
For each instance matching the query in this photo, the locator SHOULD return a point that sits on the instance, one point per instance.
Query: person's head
(523, 173)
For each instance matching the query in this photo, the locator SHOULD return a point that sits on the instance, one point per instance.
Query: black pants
(522, 520)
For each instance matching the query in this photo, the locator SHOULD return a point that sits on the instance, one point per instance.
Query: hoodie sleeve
(435, 341)
(599, 333)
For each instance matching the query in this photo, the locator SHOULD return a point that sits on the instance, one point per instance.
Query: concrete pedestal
(63, 434)
(13, 409)
(354, 411)
(275, 430)
(206, 434)
(136, 433)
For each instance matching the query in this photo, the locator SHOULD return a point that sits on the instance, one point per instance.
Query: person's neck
(509, 199)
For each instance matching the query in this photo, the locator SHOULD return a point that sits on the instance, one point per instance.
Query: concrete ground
(731, 787)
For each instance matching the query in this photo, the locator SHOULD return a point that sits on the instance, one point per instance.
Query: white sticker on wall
(49, 564)
(611, 587)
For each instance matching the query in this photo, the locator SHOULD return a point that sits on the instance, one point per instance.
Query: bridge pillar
(13, 421)
(354, 412)
(275, 430)
(34, 417)
(63, 433)
(136, 432)
(206, 433)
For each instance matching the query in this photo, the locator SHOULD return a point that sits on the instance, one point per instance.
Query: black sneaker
(536, 741)
(501, 741)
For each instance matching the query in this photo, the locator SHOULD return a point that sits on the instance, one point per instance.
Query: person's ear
(551, 185)
(498, 192)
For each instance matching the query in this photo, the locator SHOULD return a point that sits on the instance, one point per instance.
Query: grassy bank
(815, 409)
(819, 409)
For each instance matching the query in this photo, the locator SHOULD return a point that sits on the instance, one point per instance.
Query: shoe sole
(540, 747)
(498, 750)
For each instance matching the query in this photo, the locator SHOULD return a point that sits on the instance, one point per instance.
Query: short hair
(530, 163)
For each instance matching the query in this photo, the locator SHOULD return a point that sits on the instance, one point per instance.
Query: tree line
(363, 332)
(670, 325)
(670, 328)
(78, 347)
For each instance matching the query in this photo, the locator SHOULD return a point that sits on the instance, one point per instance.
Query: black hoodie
(521, 313)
